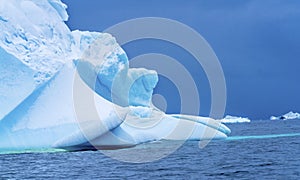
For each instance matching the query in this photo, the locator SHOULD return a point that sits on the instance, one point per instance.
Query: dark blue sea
(260, 149)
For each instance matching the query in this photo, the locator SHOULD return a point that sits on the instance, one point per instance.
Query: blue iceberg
(75, 90)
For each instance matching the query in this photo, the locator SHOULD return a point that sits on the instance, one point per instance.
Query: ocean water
(260, 149)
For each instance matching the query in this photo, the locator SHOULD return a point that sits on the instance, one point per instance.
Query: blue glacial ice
(49, 76)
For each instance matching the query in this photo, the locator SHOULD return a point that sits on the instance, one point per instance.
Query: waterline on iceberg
(78, 90)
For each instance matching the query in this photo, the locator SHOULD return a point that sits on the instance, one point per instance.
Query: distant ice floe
(287, 116)
(234, 119)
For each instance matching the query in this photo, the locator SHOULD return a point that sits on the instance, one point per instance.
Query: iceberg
(75, 90)
(287, 116)
(234, 119)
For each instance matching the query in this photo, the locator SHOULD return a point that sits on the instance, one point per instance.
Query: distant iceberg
(41, 61)
(287, 116)
(234, 119)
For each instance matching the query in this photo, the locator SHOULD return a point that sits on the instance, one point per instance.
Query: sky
(257, 43)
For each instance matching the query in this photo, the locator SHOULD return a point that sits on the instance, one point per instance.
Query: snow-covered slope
(34, 44)
(35, 33)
